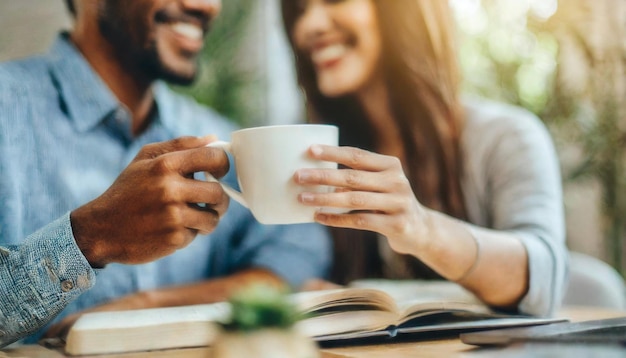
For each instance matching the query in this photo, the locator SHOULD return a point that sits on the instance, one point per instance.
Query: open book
(367, 309)
(382, 308)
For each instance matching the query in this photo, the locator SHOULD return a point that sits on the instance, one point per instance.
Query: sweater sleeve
(516, 168)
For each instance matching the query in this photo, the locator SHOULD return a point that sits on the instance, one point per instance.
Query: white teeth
(188, 30)
(328, 53)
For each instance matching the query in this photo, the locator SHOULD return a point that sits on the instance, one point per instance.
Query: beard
(151, 64)
(136, 48)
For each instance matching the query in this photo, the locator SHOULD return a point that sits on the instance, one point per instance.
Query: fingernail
(320, 216)
(316, 150)
(306, 197)
(302, 176)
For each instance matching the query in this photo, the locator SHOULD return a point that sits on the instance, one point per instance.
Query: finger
(354, 200)
(61, 329)
(54, 331)
(182, 239)
(202, 192)
(154, 150)
(355, 220)
(352, 179)
(354, 157)
(201, 219)
(202, 159)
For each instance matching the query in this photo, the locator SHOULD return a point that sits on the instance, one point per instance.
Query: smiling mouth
(191, 27)
(187, 30)
(327, 55)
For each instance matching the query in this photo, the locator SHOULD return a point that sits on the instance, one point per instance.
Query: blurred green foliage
(503, 56)
(227, 83)
(261, 306)
(566, 64)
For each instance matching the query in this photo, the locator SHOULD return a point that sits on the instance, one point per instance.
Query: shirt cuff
(42, 276)
(546, 279)
(69, 269)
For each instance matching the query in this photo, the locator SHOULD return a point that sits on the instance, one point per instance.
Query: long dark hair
(422, 76)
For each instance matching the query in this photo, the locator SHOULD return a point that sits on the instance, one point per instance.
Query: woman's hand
(374, 190)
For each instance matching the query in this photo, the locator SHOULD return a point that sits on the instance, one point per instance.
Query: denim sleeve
(38, 278)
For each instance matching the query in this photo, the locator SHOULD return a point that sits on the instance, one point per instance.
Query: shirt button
(67, 285)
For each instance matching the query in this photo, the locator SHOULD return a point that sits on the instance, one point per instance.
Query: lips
(326, 55)
(190, 31)
(189, 28)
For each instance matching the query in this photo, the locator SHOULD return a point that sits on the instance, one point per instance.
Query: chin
(337, 86)
(335, 90)
(176, 78)
(169, 67)
(178, 73)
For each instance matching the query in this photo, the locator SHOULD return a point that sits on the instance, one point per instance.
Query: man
(98, 163)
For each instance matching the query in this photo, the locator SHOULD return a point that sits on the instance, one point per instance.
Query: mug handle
(233, 193)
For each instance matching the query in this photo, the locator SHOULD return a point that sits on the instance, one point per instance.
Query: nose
(211, 8)
(314, 20)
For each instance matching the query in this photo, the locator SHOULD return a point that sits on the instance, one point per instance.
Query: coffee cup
(265, 159)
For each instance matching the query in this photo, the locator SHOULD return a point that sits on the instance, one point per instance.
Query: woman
(437, 187)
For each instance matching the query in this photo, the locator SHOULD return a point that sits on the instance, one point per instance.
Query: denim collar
(88, 100)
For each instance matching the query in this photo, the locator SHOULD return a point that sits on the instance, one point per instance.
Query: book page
(346, 323)
(150, 316)
(145, 329)
(419, 290)
(345, 311)
(343, 299)
(444, 311)
(417, 298)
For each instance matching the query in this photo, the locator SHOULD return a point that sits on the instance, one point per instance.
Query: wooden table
(431, 348)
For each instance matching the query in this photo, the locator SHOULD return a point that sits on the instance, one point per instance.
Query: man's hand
(317, 284)
(154, 207)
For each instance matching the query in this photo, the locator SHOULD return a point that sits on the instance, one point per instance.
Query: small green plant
(261, 306)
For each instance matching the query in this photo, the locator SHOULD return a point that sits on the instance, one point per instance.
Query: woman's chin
(334, 91)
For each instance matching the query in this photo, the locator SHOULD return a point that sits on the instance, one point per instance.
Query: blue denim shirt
(64, 138)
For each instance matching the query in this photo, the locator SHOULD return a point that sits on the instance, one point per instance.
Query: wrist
(86, 242)
(470, 270)
(414, 237)
(426, 236)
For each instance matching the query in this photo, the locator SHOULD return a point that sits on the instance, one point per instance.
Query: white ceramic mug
(266, 159)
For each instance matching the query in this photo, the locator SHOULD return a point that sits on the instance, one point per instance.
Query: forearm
(492, 264)
(208, 291)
